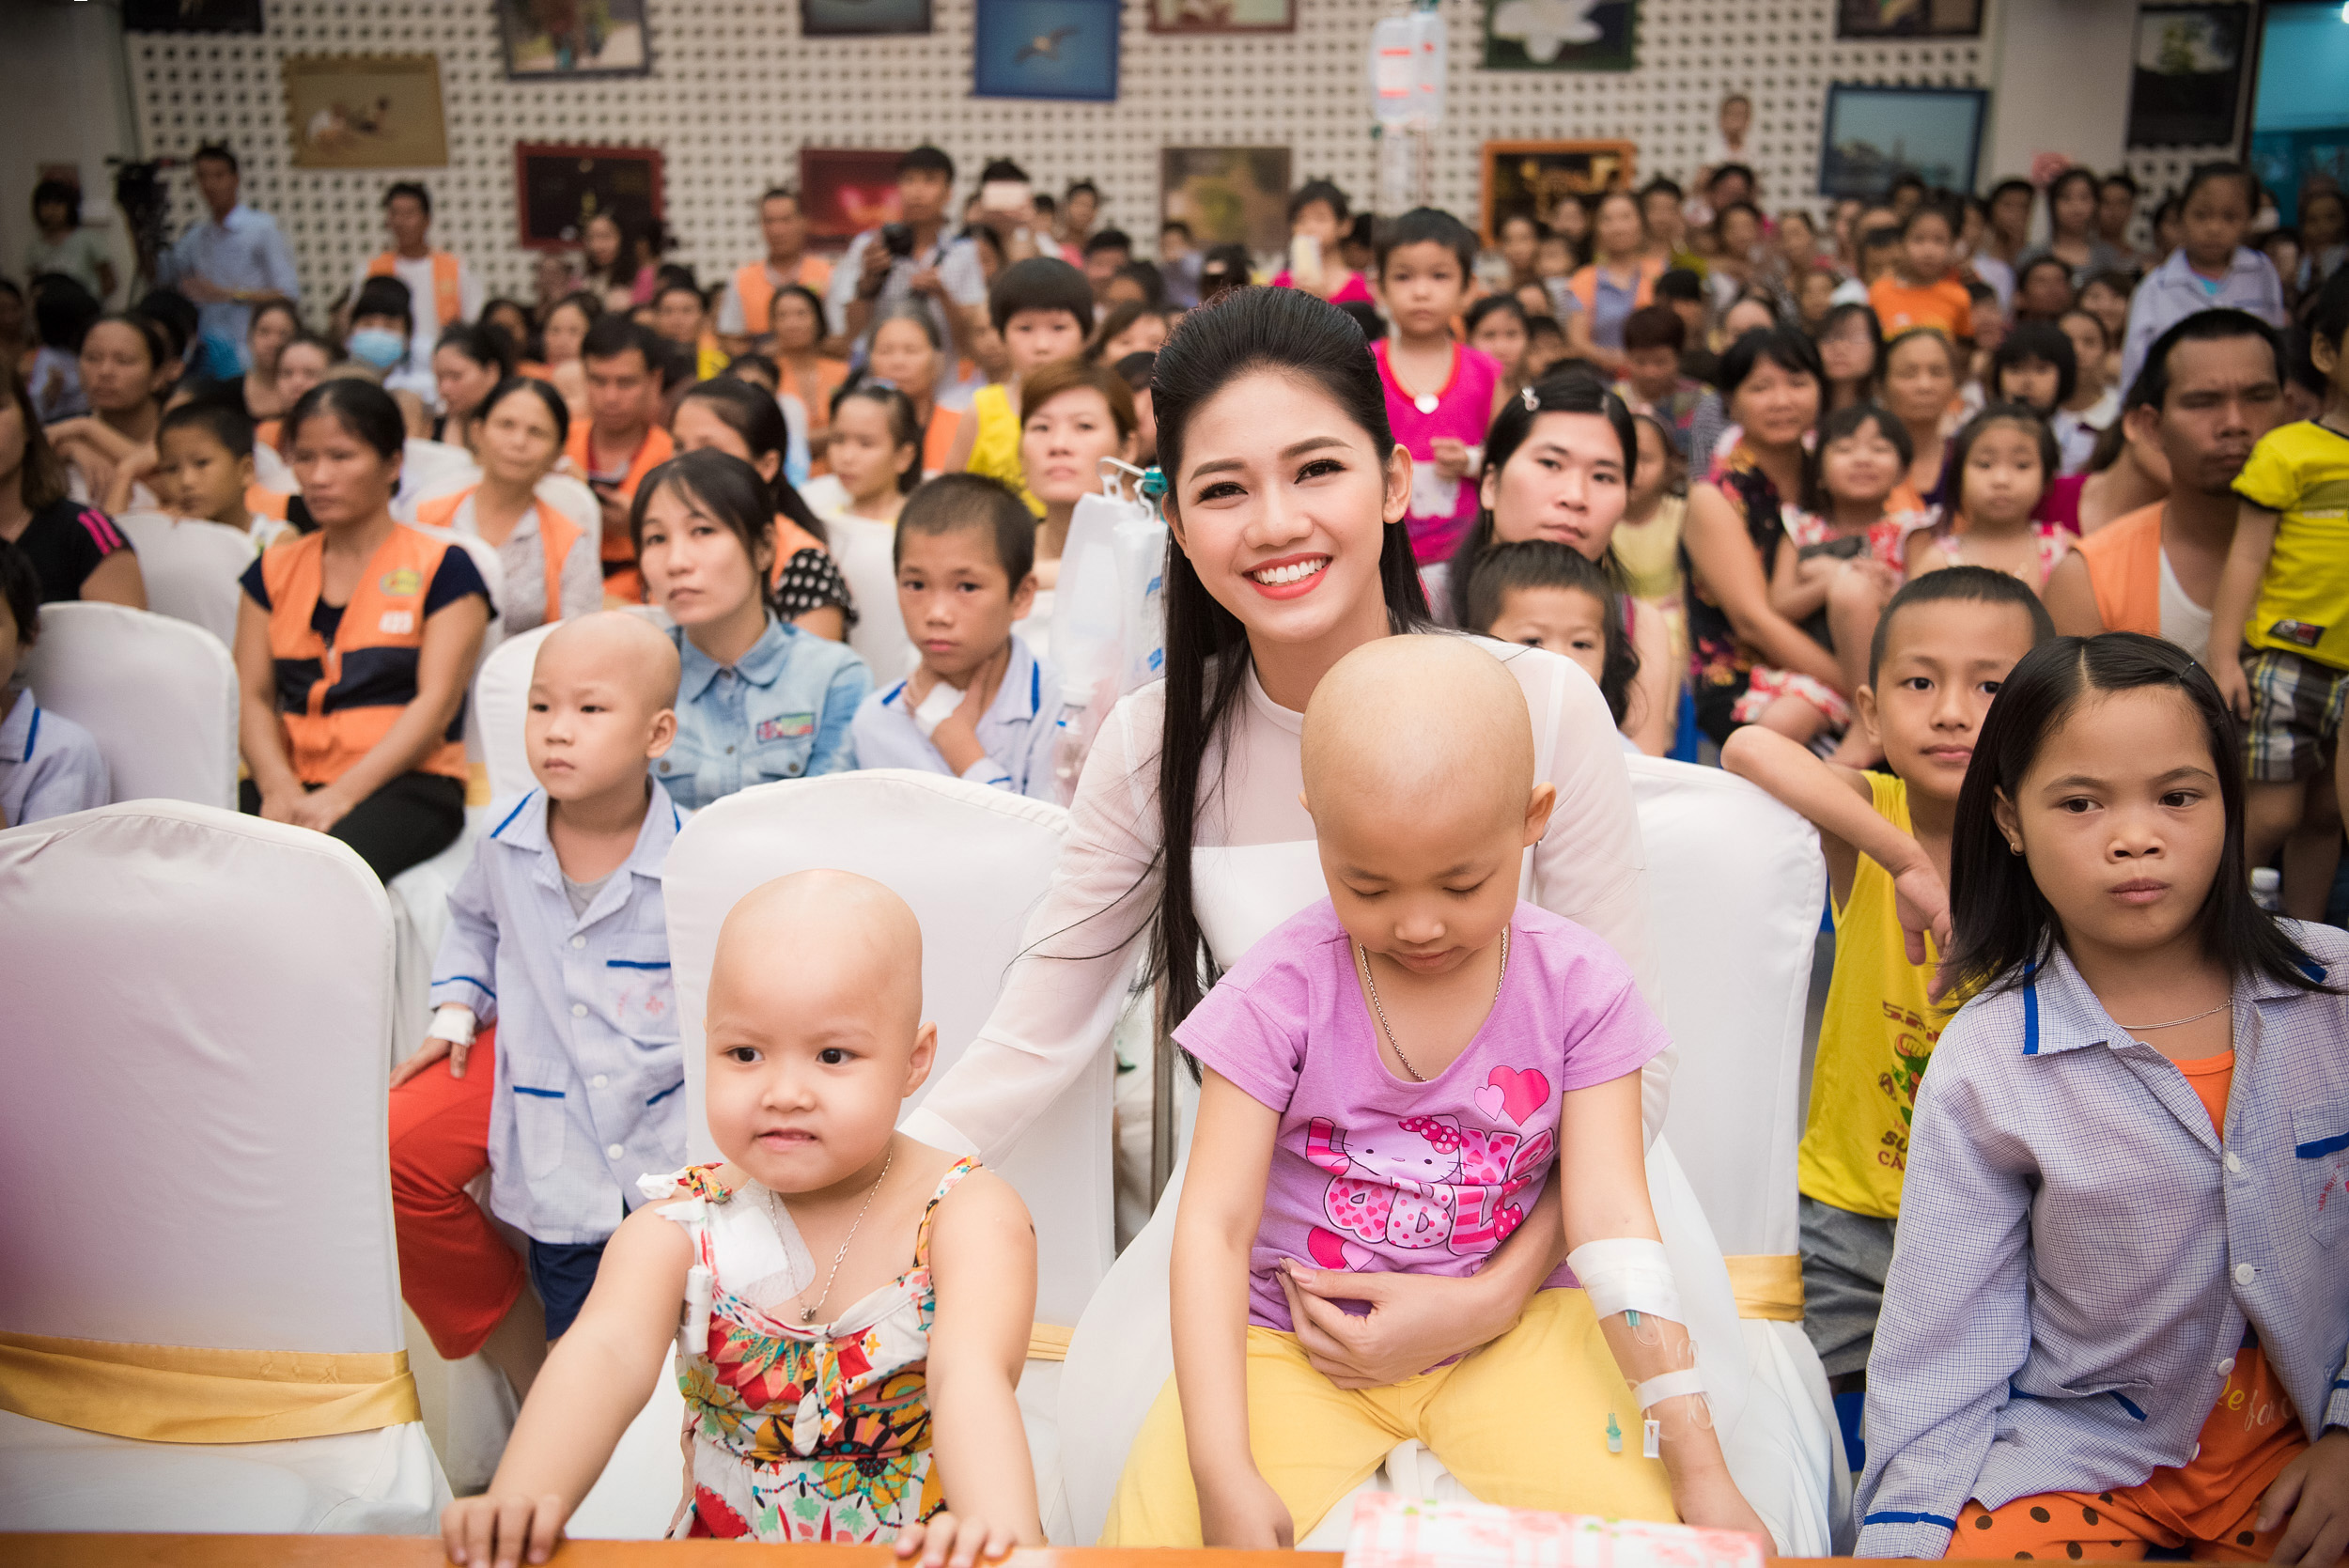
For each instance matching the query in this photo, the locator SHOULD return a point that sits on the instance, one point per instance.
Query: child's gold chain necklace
(1370, 981)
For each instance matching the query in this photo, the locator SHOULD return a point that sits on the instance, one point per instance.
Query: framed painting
(846, 191)
(191, 16)
(558, 188)
(1222, 16)
(1907, 19)
(1559, 35)
(1227, 195)
(365, 111)
(1061, 49)
(2188, 77)
(864, 19)
(547, 41)
(1876, 134)
(1534, 178)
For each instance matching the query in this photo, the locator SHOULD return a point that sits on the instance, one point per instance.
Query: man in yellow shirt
(1941, 647)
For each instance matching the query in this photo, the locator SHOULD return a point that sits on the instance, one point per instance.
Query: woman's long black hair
(1289, 332)
(1573, 388)
(2003, 927)
(758, 420)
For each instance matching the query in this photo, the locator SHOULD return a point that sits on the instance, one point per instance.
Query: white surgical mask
(378, 347)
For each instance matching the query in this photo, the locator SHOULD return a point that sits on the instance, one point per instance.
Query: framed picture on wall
(1064, 48)
(1222, 16)
(846, 191)
(1559, 35)
(192, 16)
(1227, 195)
(1908, 18)
(1534, 178)
(566, 40)
(1876, 134)
(365, 111)
(862, 19)
(2188, 75)
(558, 188)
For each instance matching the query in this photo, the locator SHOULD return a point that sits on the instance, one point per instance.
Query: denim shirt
(2079, 1252)
(782, 711)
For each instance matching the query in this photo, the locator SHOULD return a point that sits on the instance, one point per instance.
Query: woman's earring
(2014, 845)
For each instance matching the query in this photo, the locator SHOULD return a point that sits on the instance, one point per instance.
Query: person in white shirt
(441, 289)
(980, 706)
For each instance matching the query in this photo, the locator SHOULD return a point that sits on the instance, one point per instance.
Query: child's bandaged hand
(501, 1531)
(947, 1542)
(2313, 1492)
(432, 1050)
(1451, 457)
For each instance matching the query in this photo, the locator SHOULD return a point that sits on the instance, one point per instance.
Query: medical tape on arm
(453, 1022)
(1627, 1275)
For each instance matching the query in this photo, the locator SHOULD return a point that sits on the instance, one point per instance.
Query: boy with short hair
(2283, 597)
(2211, 268)
(1655, 339)
(1441, 394)
(981, 705)
(1941, 647)
(557, 937)
(204, 460)
(1042, 309)
(1922, 289)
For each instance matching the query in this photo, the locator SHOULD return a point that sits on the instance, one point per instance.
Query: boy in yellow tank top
(1943, 646)
(1043, 310)
(2279, 622)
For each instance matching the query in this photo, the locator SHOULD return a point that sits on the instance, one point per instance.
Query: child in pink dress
(1441, 394)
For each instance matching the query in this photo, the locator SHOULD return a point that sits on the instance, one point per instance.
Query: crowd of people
(2017, 566)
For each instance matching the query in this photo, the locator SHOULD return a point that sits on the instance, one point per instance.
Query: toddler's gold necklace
(807, 1314)
(1370, 982)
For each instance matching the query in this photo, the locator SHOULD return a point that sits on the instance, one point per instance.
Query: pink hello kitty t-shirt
(1372, 1172)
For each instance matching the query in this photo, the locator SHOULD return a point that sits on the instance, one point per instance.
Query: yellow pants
(1521, 1422)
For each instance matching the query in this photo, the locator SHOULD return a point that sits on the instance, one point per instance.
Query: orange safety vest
(339, 700)
(556, 535)
(622, 583)
(756, 288)
(448, 297)
(2124, 570)
(1584, 284)
(265, 503)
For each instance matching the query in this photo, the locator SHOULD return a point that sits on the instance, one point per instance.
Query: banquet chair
(1742, 871)
(972, 861)
(864, 550)
(159, 696)
(200, 1328)
(190, 568)
(420, 893)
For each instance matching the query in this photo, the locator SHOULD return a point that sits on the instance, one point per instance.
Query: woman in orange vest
(1620, 279)
(807, 375)
(907, 355)
(550, 575)
(354, 647)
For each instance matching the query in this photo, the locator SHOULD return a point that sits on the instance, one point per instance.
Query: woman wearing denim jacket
(759, 700)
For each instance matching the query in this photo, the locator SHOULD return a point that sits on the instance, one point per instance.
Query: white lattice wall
(735, 92)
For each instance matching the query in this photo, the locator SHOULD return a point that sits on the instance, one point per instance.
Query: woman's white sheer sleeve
(1591, 867)
(1063, 995)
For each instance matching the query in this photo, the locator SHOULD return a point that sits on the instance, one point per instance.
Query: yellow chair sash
(1049, 1342)
(169, 1393)
(1767, 1285)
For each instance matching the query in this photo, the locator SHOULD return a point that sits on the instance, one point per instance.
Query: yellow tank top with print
(1875, 1037)
(2300, 471)
(995, 451)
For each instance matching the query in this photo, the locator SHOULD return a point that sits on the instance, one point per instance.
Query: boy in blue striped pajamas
(558, 935)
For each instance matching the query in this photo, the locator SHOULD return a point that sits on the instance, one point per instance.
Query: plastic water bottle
(2267, 888)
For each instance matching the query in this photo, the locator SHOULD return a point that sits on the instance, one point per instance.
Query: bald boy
(558, 935)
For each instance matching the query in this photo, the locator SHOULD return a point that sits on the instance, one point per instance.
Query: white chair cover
(420, 893)
(159, 694)
(190, 568)
(501, 701)
(972, 861)
(1737, 879)
(213, 1131)
(863, 548)
(430, 468)
(271, 472)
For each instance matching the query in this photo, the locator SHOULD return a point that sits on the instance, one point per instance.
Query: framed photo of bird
(1058, 49)
(864, 19)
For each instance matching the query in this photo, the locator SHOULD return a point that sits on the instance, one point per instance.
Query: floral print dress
(800, 1433)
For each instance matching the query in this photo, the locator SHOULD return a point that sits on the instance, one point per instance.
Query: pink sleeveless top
(1441, 510)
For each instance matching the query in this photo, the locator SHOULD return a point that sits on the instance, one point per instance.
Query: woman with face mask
(382, 325)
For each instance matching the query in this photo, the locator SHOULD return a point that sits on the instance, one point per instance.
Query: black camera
(897, 239)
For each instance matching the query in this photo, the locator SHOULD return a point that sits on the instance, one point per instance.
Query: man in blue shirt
(233, 260)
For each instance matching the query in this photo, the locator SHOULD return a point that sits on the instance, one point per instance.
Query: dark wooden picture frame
(559, 186)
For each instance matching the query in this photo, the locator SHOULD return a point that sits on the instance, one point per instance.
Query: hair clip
(1531, 399)
(1153, 485)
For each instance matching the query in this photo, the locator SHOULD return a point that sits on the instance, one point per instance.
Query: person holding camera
(912, 261)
